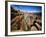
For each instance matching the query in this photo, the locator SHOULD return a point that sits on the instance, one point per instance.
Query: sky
(27, 8)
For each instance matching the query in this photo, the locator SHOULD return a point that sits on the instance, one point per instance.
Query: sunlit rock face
(29, 19)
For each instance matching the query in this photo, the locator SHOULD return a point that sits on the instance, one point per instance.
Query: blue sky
(27, 8)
